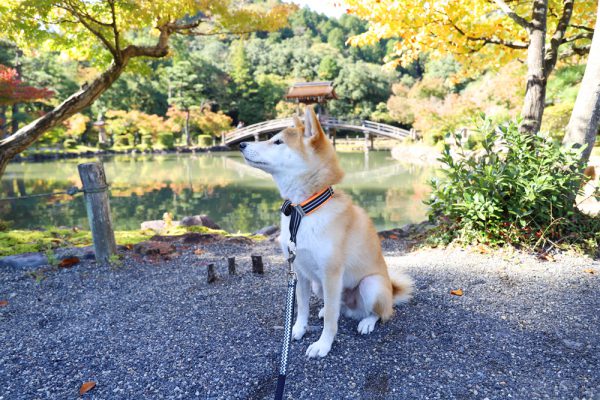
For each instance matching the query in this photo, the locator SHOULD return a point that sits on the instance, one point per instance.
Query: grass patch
(25, 241)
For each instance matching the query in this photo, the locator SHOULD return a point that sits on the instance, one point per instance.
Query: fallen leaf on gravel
(589, 271)
(86, 387)
(3, 303)
(482, 249)
(546, 257)
(69, 262)
(198, 252)
(457, 292)
(129, 246)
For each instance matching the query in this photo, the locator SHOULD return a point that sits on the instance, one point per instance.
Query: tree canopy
(479, 34)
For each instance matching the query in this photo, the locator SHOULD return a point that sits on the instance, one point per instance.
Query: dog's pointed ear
(312, 121)
(307, 122)
(298, 124)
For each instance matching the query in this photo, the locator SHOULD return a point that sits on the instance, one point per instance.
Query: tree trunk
(585, 118)
(2, 122)
(14, 122)
(188, 136)
(24, 137)
(535, 93)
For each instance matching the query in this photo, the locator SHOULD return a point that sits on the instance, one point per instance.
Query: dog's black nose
(243, 145)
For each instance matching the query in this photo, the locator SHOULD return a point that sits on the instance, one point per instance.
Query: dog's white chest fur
(314, 244)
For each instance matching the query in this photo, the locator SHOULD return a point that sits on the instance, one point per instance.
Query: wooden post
(371, 137)
(334, 134)
(256, 138)
(367, 141)
(231, 265)
(211, 273)
(95, 188)
(257, 265)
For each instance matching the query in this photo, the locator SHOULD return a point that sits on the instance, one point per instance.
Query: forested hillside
(214, 82)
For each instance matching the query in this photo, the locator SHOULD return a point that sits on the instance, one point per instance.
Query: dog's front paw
(319, 348)
(298, 331)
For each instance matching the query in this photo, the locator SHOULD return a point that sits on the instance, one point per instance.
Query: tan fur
(338, 249)
(360, 249)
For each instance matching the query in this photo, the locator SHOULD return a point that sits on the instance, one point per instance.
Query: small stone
(573, 345)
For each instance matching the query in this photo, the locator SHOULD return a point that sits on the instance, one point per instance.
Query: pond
(221, 185)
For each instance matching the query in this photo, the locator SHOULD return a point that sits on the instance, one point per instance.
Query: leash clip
(291, 252)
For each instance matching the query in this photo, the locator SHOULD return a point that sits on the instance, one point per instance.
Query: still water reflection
(237, 197)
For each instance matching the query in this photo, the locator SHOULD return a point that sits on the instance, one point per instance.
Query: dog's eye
(278, 142)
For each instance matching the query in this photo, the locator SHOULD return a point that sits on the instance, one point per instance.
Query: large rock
(152, 247)
(188, 238)
(24, 261)
(157, 226)
(200, 220)
(268, 231)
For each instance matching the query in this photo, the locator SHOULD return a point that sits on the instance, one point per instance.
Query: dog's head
(301, 154)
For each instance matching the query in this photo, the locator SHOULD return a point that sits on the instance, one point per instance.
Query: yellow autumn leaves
(476, 32)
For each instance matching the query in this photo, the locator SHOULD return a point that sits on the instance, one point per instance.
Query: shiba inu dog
(338, 251)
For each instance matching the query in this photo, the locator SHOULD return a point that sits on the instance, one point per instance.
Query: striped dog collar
(297, 211)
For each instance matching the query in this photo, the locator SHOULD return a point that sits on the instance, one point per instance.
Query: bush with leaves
(518, 189)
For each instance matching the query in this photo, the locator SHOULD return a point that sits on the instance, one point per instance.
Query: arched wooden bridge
(252, 132)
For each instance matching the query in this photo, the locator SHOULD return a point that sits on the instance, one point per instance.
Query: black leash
(296, 213)
(289, 315)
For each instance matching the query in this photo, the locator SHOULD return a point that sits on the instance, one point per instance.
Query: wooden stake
(211, 273)
(257, 265)
(95, 188)
(231, 265)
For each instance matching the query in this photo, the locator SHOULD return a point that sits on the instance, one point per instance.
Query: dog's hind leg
(302, 299)
(375, 301)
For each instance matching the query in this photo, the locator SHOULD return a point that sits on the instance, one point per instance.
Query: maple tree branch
(558, 37)
(583, 27)
(492, 40)
(513, 15)
(73, 8)
(579, 51)
(114, 26)
(85, 19)
(585, 35)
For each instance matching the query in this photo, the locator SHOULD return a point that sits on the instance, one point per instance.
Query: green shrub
(4, 225)
(124, 140)
(147, 140)
(70, 143)
(166, 139)
(519, 189)
(205, 140)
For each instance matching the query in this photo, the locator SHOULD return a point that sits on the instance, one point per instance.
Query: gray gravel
(154, 329)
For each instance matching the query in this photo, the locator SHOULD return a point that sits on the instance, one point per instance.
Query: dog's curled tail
(402, 286)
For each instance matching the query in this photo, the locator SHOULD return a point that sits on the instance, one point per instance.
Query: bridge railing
(371, 127)
(368, 126)
(257, 129)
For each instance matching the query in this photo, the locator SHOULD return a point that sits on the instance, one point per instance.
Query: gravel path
(154, 329)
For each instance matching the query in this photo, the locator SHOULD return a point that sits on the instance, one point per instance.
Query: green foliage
(70, 143)
(517, 190)
(166, 139)
(205, 140)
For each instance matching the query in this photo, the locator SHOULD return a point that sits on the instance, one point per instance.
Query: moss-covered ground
(23, 241)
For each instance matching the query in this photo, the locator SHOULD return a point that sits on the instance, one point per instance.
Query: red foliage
(13, 90)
